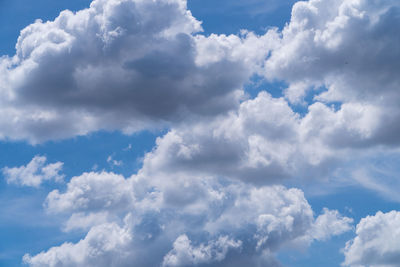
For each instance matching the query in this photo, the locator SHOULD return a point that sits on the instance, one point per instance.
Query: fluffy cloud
(257, 143)
(91, 191)
(205, 193)
(265, 141)
(34, 173)
(377, 242)
(125, 65)
(181, 220)
(104, 245)
(352, 41)
(330, 223)
(184, 254)
(344, 51)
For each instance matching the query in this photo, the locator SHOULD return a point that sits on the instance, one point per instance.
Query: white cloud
(208, 185)
(34, 173)
(258, 144)
(85, 221)
(330, 223)
(377, 242)
(104, 245)
(185, 254)
(266, 142)
(218, 220)
(92, 191)
(344, 51)
(119, 65)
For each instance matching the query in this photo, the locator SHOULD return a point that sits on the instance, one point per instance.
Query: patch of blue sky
(223, 16)
(277, 89)
(258, 84)
(231, 16)
(24, 225)
(310, 98)
(85, 153)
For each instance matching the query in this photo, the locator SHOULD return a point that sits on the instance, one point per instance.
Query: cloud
(34, 173)
(184, 254)
(113, 162)
(84, 221)
(184, 74)
(181, 219)
(162, 71)
(209, 192)
(266, 142)
(258, 143)
(330, 222)
(91, 191)
(376, 243)
(346, 52)
(118, 65)
(104, 245)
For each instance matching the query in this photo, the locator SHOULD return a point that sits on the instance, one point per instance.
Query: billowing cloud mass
(347, 52)
(210, 193)
(182, 220)
(266, 142)
(377, 242)
(184, 254)
(34, 173)
(126, 65)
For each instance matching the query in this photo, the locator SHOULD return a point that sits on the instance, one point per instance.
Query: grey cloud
(126, 65)
(197, 183)
(349, 51)
(185, 254)
(200, 181)
(264, 142)
(225, 221)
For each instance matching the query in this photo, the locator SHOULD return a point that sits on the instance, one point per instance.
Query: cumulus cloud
(266, 142)
(184, 254)
(330, 222)
(181, 220)
(126, 65)
(34, 173)
(91, 191)
(207, 193)
(258, 143)
(377, 242)
(344, 51)
(104, 245)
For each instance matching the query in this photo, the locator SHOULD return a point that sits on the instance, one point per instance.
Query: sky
(199, 133)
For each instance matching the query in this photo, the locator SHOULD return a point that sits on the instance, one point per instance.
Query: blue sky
(241, 133)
